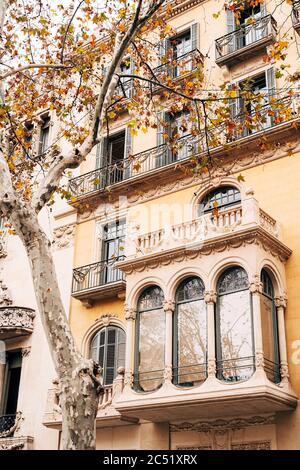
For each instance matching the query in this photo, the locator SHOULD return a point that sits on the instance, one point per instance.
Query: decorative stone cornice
(106, 318)
(130, 313)
(5, 297)
(63, 236)
(281, 301)
(210, 297)
(180, 6)
(16, 317)
(168, 305)
(223, 424)
(231, 240)
(256, 286)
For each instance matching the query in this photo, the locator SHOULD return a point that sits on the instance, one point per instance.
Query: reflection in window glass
(269, 329)
(190, 337)
(151, 333)
(234, 327)
(191, 343)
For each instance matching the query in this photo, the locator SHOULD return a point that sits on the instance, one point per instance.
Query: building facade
(192, 312)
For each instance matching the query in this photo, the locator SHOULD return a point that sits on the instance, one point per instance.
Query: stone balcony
(107, 414)
(234, 225)
(16, 322)
(211, 399)
(158, 164)
(9, 434)
(246, 41)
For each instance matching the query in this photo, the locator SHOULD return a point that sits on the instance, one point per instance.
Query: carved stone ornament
(281, 301)
(284, 371)
(256, 286)
(130, 313)
(255, 445)
(128, 379)
(169, 305)
(211, 368)
(16, 317)
(210, 297)
(223, 424)
(63, 237)
(168, 373)
(259, 360)
(106, 318)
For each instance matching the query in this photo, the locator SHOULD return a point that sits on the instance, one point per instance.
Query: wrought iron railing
(175, 67)
(189, 375)
(148, 381)
(296, 14)
(235, 369)
(135, 165)
(276, 111)
(6, 423)
(272, 370)
(244, 36)
(97, 274)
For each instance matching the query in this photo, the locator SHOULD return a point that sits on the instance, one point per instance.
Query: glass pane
(232, 280)
(191, 342)
(151, 349)
(235, 329)
(111, 335)
(220, 197)
(151, 298)
(190, 289)
(270, 346)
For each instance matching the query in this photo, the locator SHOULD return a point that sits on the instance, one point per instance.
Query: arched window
(150, 350)
(269, 328)
(235, 352)
(220, 198)
(108, 349)
(190, 333)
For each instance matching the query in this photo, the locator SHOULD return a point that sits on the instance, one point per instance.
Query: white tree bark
(80, 382)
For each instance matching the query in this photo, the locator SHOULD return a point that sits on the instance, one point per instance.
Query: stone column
(130, 316)
(256, 290)
(280, 303)
(210, 299)
(169, 307)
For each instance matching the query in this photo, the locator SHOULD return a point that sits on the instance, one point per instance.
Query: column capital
(210, 297)
(130, 313)
(281, 300)
(169, 305)
(284, 371)
(256, 286)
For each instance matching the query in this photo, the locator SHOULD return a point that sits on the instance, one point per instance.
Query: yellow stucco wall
(275, 186)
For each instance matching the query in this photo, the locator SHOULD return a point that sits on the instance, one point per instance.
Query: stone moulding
(222, 424)
(16, 320)
(257, 236)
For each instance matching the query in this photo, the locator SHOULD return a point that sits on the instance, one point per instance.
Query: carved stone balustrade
(16, 321)
(231, 226)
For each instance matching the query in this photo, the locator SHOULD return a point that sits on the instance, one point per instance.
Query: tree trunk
(79, 405)
(79, 378)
